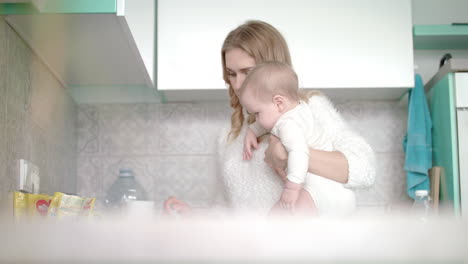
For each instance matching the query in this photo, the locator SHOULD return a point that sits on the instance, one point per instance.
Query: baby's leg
(277, 210)
(305, 205)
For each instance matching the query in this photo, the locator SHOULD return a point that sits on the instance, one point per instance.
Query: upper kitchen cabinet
(448, 30)
(89, 43)
(453, 36)
(349, 47)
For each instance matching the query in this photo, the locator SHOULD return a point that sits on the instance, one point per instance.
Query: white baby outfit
(298, 131)
(252, 185)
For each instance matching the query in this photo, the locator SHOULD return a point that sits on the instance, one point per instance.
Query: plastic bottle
(421, 206)
(125, 188)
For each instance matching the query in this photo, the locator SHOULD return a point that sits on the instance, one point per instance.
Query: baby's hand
(289, 198)
(290, 194)
(250, 143)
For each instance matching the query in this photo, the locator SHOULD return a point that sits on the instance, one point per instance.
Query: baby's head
(271, 88)
(269, 79)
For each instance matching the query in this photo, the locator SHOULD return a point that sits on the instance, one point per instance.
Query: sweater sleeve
(219, 200)
(358, 153)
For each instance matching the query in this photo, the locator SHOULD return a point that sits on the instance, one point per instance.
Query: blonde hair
(269, 79)
(263, 43)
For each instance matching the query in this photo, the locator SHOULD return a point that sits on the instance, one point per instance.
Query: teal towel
(417, 143)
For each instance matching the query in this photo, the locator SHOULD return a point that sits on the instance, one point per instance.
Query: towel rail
(451, 65)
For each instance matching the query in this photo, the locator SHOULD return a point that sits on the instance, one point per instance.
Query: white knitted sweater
(251, 186)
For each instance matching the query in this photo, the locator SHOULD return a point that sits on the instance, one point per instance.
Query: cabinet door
(444, 141)
(333, 43)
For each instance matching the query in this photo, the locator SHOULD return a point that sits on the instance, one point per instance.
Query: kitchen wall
(171, 147)
(37, 120)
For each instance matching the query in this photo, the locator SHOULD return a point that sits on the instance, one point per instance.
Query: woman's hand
(276, 157)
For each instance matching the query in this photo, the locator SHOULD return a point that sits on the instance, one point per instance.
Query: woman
(253, 186)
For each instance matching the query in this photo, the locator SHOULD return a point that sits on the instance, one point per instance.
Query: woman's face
(238, 65)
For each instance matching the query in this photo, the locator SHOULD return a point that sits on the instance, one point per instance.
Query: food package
(29, 205)
(20, 205)
(38, 204)
(64, 205)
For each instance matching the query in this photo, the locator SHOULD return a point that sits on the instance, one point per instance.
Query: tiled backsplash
(171, 147)
(37, 119)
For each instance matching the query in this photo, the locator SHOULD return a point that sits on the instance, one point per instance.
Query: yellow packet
(20, 205)
(63, 205)
(29, 205)
(38, 204)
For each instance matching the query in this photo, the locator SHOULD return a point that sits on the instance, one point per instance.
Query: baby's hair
(271, 78)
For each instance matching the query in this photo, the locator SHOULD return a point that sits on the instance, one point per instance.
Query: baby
(271, 93)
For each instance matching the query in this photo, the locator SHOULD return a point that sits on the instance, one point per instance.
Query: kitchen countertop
(235, 239)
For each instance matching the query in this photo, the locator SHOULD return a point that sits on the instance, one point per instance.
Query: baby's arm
(295, 143)
(250, 141)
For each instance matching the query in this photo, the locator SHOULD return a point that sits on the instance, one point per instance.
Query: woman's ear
(278, 100)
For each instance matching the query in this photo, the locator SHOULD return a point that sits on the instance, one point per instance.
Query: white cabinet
(461, 102)
(335, 44)
(88, 44)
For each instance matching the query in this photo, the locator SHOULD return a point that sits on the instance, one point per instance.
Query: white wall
(439, 11)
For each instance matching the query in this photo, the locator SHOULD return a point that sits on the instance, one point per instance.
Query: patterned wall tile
(51, 106)
(59, 170)
(3, 101)
(122, 129)
(70, 179)
(89, 180)
(12, 125)
(395, 163)
(3, 45)
(37, 118)
(3, 63)
(190, 178)
(153, 132)
(88, 129)
(218, 117)
(35, 146)
(184, 129)
(49, 183)
(59, 126)
(15, 146)
(63, 179)
(15, 127)
(2, 139)
(381, 123)
(18, 80)
(70, 117)
(43, 98)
